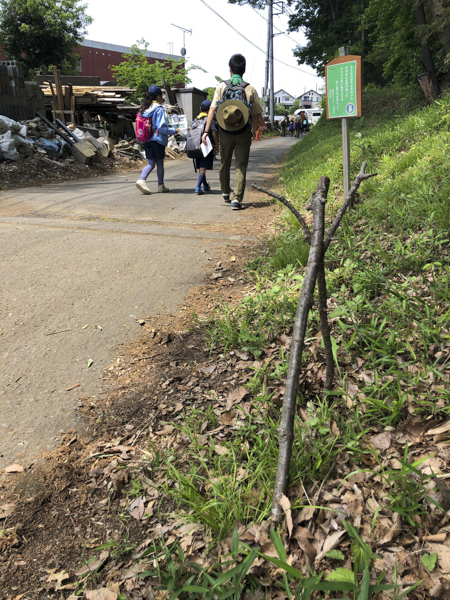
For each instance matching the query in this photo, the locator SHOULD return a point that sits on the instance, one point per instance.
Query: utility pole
(266, 80)
(272, 112)
(278, 4)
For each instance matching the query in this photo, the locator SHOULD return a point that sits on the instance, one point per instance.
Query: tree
(280, 110)
(402, 42)
(440, 10)
(295, 106)
(42, 33)
(210, 91)
(135, 71)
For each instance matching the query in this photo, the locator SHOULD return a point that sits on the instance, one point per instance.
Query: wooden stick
(324, 325)
(286, 429)
(288, 205)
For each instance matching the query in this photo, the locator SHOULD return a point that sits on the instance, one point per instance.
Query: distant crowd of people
(294, 126)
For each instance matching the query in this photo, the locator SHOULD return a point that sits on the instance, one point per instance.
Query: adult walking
(234, 102)
(155, 148)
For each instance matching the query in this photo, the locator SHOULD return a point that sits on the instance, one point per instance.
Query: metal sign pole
(344, 51)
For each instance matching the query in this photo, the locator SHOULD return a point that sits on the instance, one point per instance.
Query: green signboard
(343, 93)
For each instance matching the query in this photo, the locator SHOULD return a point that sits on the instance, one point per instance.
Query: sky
(212, 41)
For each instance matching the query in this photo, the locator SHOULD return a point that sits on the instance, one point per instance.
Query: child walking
(155, 149)
(206, 162)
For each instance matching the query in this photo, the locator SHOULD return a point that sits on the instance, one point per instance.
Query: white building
(310, 99)
(282, 97)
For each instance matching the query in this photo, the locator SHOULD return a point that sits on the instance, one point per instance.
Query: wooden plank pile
(65, 100)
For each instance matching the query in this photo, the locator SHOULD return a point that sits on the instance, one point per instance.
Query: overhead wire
(253, 44)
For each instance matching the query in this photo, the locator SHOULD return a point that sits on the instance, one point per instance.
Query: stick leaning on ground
(315, 271)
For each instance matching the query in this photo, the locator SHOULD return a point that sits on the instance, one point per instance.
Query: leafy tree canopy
(295, 106)
(384, 32)
(135, 71)
(210, 91)
(42, 33)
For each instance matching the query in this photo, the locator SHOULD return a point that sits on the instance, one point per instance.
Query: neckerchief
(236, 79)
(201, 115)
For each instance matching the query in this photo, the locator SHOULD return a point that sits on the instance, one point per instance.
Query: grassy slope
(389, 285)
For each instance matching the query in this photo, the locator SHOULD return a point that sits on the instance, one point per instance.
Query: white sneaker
(162, 189)
(142, 186)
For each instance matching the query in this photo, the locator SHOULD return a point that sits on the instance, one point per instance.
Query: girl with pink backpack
(153, 130)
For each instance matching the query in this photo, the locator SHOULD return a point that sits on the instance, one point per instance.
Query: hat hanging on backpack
(232, 115)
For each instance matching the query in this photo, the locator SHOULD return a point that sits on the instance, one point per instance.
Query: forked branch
(288, 205)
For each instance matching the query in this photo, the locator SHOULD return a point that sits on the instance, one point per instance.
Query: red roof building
(97, 57)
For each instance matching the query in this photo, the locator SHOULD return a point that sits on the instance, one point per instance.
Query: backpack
(194, 140)
(144, 129)
(236, 92)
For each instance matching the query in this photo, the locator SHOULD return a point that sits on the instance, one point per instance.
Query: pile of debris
(22, 139)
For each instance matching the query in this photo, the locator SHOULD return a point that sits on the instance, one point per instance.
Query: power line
(254, 45)
(275, 27)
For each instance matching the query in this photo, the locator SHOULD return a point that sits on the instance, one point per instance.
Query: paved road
(96, 254)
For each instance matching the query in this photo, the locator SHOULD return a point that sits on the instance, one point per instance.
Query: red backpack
(144, 129)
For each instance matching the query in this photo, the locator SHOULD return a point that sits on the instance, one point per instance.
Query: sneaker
(236, 205)
(206, 187)
(162, 189)
(199, 191)
(142, 186)
(226, 197)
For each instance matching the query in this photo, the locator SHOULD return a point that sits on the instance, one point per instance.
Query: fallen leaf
(90, 363)
(443, 554)
(165, 430)
(331, 542)
(100, 594)
(7, 510)
(137, 508)
(89, 568)
(382, 441)
(393, 532)
(235, 396)
(221, 450)
(303, 535)
(58, 578)
(283, 501)
(269, 549)
(305, 514)
(208, 370)
(15, 468)
(227, 418)
(441, 429)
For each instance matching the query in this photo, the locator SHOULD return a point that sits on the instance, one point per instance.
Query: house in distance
(282, 97)
(310, 99)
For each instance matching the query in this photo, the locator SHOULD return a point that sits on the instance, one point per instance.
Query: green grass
(388, 275)
(235, 484)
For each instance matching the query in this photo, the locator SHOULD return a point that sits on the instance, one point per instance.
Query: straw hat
(232, 115)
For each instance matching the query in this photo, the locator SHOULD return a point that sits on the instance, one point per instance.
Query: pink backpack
(144, 130)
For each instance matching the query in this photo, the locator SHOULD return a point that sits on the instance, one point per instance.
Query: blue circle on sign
(350, 108)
